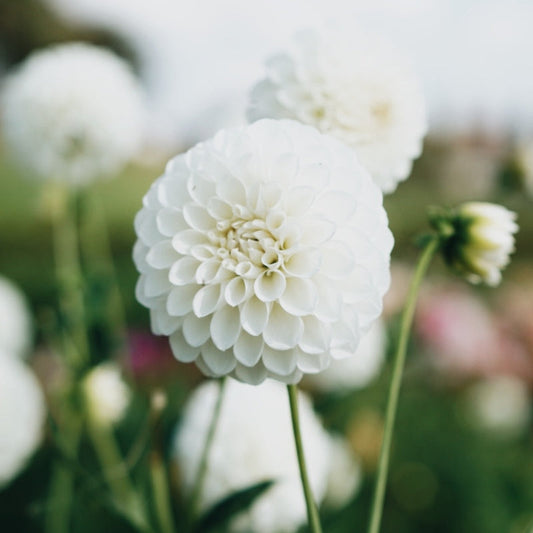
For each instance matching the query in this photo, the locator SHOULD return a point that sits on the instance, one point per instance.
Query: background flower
(357, 370)
(253, 442)
(21, 416)
(15, 320)
(72, 112)
(263, 252)
(353, 86)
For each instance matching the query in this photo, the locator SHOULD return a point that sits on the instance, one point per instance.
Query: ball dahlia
(354, 87)
(21, 416)
(253, 443)
(263, 252)
(72, 112)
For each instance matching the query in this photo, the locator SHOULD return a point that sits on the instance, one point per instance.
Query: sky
(200, 57)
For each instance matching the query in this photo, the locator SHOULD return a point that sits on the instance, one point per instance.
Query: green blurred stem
(312, 511)
(196, 495)
(161, 494)
(70, 278)
(97, 246)
(125, 498)
(61, 490)
(396, 380)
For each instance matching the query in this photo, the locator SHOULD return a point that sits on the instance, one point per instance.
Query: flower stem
(394, 391)
(161, 494)
(196, 495)
(312, 511)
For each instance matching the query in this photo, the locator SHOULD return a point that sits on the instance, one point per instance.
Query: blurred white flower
(345, 475)
(500, 404)
(15, 320)
(355, 87)
(72, 112)
(106, 394)
(22, 413)
(357, 370)
(253, 443)
(479, 240)
(263, 252)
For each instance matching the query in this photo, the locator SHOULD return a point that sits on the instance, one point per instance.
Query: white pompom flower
(353, 86)
(15, 320)
(358, 370)
(477, 239)
(72, 113)
(107, 395)
(253, 442)
(22, 413)
(263, 252)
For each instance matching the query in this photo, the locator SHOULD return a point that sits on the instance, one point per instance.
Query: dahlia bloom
(358, 370)
(263, 252)
(106, 394)
(21, 416)
(15, 320)
(72, 112)
(253, 442)
(354, 87)
(478, 240)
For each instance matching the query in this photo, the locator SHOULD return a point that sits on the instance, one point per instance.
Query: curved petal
(220, 362)
(248, 348)
(183, 271)
(225, 327)
(254, 375)
(180, 299)
(156, 283)
(300, 296)
(254, 316)
(181, 349)
(236, 291)
(161, 255)
(316, 336)
(269, 286)
(197, 217)
(303, 264)
(282, 362)
(312, 363)
(196, 330)
(185, 240)
(170, 221)
(283, 331)
(206, 300)
(162, 323)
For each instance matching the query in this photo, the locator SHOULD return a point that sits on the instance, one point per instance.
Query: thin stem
(161, 494)
(394, 391)
(312, 511)
(196, 495)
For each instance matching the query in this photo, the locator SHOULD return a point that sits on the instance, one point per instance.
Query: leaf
(223, 511)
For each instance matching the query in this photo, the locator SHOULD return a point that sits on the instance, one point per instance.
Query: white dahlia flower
(106, 393)
(22, 413)
(72, 112)
(263, 252)
(478, 238)
(253, 442)
(15, 320)
(358, 370)
(354, 87)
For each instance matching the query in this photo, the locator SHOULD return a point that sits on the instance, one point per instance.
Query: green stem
(196, 495)
(125, 498)
(70, 279)
(161, 494)
(394, 391)
(312, 511)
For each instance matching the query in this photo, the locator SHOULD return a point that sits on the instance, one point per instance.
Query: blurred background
(463, 452)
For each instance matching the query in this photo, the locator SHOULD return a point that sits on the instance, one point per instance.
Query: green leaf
(218, 516)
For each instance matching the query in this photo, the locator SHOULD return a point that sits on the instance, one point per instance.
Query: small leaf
(218, 516)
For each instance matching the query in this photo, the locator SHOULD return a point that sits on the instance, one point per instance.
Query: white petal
(316, 337)
(337, 260)
(183, 271)
(300, 296)
(173, 191)
(156, 283)
(283, 331)
(206, 300)
(139, 256)
(181, 349)
(329, 304)
(146, 227)
(282, 362)
(162, 323)
(299, 200)
(161, 255)
(248, 349)
(208, 271)
(200, 189)
(197, 217)
(336, 205)
(170, 221)
(254, 375)
(219, 209)
(225, 327)
(254, 316)
(316, 176)
(312, 363)
(220, 362)
(317, 230)
(303, 264)
(180, 299)
(231, 191)
(196, 330)
(236, 291)
(269, 285)
(294, 377)
(185, 240)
